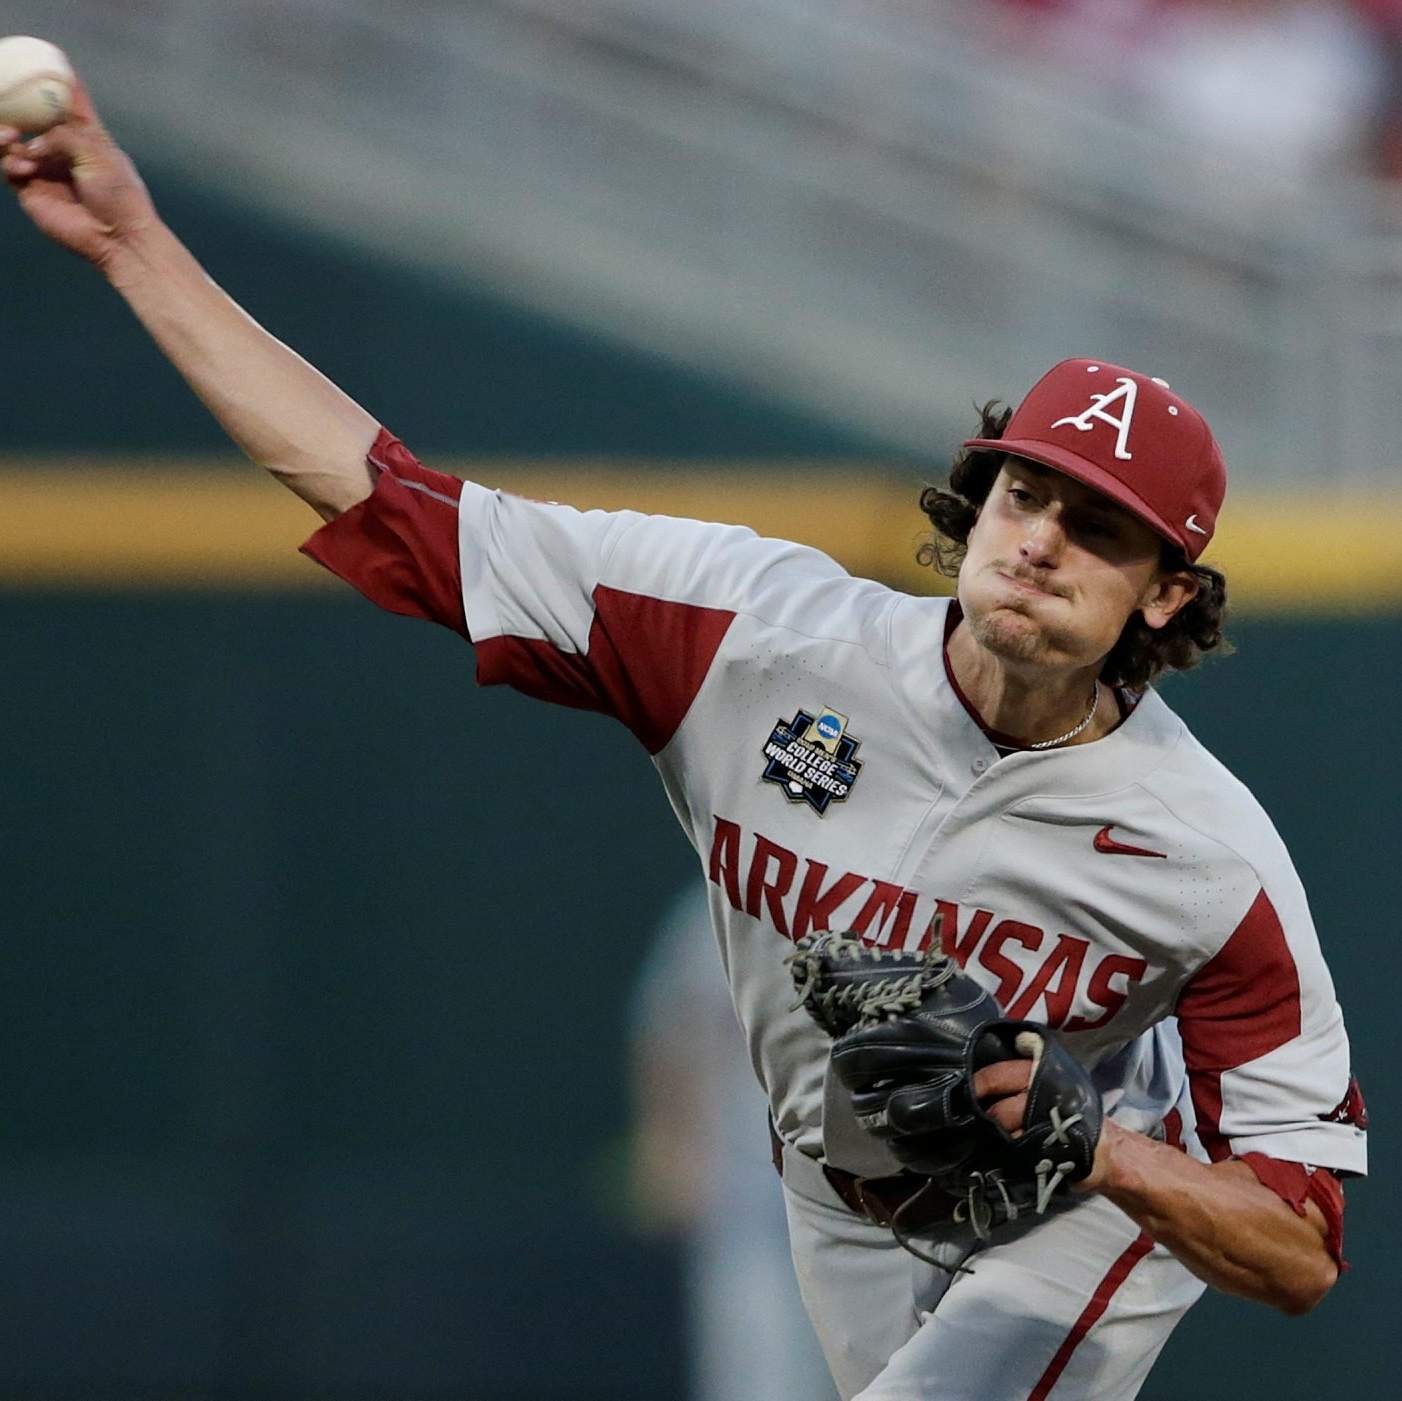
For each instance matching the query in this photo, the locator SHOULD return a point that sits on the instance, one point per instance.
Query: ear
(1167, 595)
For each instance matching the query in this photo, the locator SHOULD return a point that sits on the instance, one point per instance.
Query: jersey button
(980, 765)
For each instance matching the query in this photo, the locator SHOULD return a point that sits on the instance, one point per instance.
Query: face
(1055, 570)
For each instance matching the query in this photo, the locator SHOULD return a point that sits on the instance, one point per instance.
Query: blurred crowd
(1303, 87)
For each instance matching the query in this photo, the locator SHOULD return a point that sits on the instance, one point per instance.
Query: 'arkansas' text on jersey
(1067, 974)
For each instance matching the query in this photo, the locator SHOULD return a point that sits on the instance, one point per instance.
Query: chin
(1009, 633)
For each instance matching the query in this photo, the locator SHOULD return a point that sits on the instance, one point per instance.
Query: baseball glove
(910, 1030)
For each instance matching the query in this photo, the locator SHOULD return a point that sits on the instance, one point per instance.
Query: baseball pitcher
(1027, 976)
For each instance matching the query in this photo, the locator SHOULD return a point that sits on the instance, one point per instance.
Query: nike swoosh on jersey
(1108, 846)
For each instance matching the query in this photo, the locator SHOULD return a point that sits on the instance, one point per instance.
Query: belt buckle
(873, 1207)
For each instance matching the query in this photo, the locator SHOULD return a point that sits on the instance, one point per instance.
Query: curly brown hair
(1142, 653)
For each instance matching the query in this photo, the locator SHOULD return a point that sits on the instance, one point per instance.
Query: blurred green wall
(316, 958)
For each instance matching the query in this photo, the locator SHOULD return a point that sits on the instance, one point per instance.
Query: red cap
(1128, 436)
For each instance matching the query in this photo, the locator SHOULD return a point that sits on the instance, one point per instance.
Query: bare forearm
(1220, 1221)
(281, 411)
(81, 190)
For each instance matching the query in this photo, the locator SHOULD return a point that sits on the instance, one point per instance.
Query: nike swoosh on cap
(1192, 524)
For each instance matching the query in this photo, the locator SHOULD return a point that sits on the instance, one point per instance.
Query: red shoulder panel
(645, 662)
(1240, 1005)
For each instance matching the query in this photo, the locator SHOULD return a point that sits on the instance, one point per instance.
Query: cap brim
(1088, 474)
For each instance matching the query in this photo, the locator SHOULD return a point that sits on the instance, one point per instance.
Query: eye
(1020, 496)
(1100, 533)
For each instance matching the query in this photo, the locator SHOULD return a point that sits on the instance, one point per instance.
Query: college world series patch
(811, 758)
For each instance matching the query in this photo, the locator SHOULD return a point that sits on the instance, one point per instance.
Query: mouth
(1024, 587)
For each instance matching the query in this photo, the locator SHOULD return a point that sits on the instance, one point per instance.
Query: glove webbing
(858, 1002)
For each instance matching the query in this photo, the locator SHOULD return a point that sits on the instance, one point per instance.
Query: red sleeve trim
(645, 662)
(399, 547)
(1327, 1193)
(1295, 1184)
(1240, 1005)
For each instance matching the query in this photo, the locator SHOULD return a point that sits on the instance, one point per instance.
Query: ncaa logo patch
(811, 758)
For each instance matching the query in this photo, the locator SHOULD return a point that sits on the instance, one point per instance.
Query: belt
(878, 1199)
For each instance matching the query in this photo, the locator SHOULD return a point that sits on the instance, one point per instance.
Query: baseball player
(995, 767)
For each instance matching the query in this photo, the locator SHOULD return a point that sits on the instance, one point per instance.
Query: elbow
(1307, 1289)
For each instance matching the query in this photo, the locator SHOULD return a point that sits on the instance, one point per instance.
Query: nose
(1042, 541)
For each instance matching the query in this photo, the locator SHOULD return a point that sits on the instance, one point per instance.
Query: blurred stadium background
(317, 959)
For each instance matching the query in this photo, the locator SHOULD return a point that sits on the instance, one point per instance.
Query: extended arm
(82, 191)
(1220, 1220)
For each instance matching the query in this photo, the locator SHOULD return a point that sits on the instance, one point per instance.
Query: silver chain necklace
(1071, 734)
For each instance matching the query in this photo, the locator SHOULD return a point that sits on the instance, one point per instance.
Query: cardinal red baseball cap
(1129, 436)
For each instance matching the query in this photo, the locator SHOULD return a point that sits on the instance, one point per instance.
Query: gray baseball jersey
(821, 760)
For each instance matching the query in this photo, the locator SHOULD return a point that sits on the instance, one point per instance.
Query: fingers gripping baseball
(76, 184)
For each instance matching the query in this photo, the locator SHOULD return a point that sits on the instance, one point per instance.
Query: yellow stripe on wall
(123, 525)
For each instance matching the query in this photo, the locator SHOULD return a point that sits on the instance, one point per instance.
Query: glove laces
(985, 1196)
(906, 1244)
(1050, 1175)
(985, 1201)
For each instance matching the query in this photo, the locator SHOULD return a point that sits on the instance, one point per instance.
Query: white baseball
(36, 83)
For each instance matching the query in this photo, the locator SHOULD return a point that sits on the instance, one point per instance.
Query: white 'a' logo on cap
(1129, 392)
